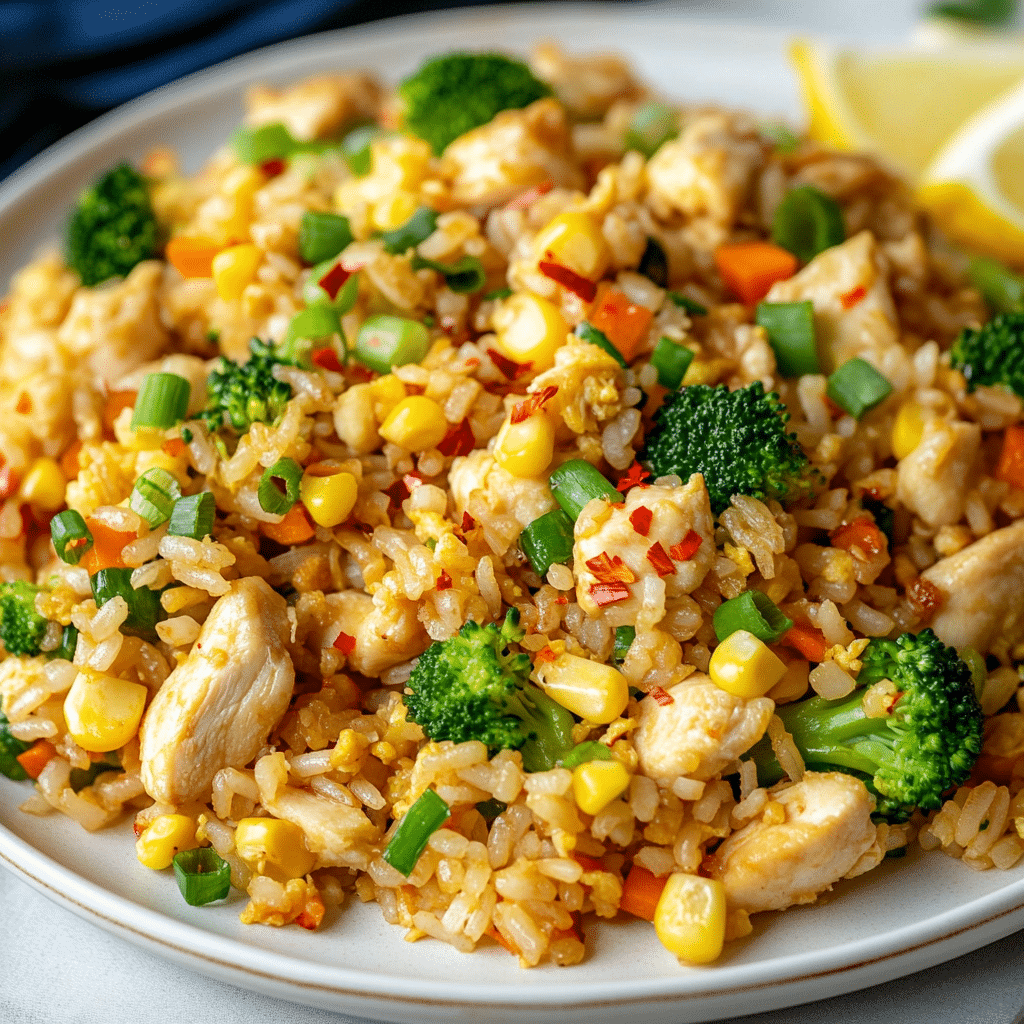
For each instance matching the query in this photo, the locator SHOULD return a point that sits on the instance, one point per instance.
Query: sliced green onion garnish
(307, 327)
(671, 360)
(10, 748)
(650, 127)
(624, 637)
(322, 236)
(590, 750)
(591, 334)
(418, 228)
(421, 821)
(386, 341)
(753, 611)
(547, 541)
(490, 809)
(781, 136)
(82, 777)
(1000, 287)
(144, 607)
(498, 293)
(314, 294)
(193, 516)
(857, 387)
(71, 537)
(464, 276)
(154, 495)
(790, 327)
(576, 482)
(162, 401)
(68, 643)
(654, 264)
(271, 495)
(356, 147)
(268, 142)
(808, 222)
(692, 306)
(202, 876)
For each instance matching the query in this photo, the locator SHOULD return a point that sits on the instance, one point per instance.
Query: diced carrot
(116, 402)
(640, 892)
(862, 534)
(24, 404)
(1010, 467)
(173, 446)
(588, 863)
(810, 642)
(623, 323)
(69, 460)
(107, 545)
(501, 940)
(749, 269)
(37, 757)
(191, 257)
(312, 913)
(294, 528)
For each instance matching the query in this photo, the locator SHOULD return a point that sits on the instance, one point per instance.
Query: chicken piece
(827, 830)
(700, 732)
(933, 480)
(216, 709)
(847, 326)
(709, 170)
(317, 108)
(610, 530)
(586, 85)
(521, 498)
(385, 628)
(982, 584)
(517, 150)
(590, 385)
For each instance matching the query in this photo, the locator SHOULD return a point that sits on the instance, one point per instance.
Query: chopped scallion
(650, 127)
(781, 136)
(421, 821)
(490, 809)
(589, 750)
(591, 334)
(464, 276)
(68, 644)
(1000, 287)
(71, 537)
(313, 293)
(144, 607)
(418, 228)
(356, 148)
(154, 495)
(753, 611)
(790, 329)
(193, 516)
(692, 306)
(547, 540)
(808, 222)
(671, 360)
(162, 401)
(654, 264)
(624, 637)
(386, 341)
(498, 293)
(267, 142)
(576, 482)
(322, 236)
(857, 387)
(202, 875)
(272, 497)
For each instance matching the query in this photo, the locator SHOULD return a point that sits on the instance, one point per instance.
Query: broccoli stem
(547, 724)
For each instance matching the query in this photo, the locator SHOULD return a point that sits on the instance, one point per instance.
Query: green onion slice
(192, 516)
(154, 495)
(202, 875)
(272, 497)
(144, 607)
(268, 142)
(654, 264)
(68, 643)
(547, 540)
(590, 750)
(490, 809)
(323, 235)
(753, 611)
(356, 148)
(808, 222)
(464, 276)
(591, 334)
(386, 341)
(781, 136)
(313, 293)
(857, 387)
(576, 482)
(71, 537)
(82, 777)
(1000, 287)
(10, 748)
(162, 401)
(671, 360)
(790, 328)
(418, 228)
(692, 306)
(421, 821)
(498, 293)
(624, 637)
(650, 127)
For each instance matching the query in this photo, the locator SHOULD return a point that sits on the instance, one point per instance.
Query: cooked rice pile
(432, 540)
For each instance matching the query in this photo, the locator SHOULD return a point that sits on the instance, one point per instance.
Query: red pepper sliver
(326, 358)
(524, 410)
(610, 569)
(687, 547)
(444, 581)
(509, 368)
(852, 297)
(576, 283)
(459, 440)
(332, 281)
(663, 697)
(345, 643)
(658, 557)
(608, 593)
(641, 518)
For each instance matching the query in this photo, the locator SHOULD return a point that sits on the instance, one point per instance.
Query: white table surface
(56, 968)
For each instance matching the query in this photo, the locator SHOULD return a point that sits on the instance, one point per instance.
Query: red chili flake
(641, 518)
(561, 599)
(851, 298)
(468, 522)
(545, 654)
(9, 482)
(344, 643)
(658, 557)
(173, 447)
(608, 593)
(508, 367)
(272, 168)
(332, 281)
(687, 547)
(326, 358)
(360, 373)
(524, 410)
(610, 569)
(459, 440)
(24, 405)
(444, 581)
(662, 696)
(567, 278)
(635, 475)
(526, 199)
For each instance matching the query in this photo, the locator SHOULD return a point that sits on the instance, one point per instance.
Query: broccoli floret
(926, 744)
(21, 626)
(113, 227)
(471, 687)
(241, 395)
(737, 439)
(452, 94)
(992, 355)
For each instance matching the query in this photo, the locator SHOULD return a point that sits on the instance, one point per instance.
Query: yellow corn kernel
(745, 666)
(596, 692)
(164, 837)
(273, 847)
(416, 423)
(530, 330)
(329, 496)
(387, 392)
(103, 712)
(595, 784)
(575, 241)
(234, 268)
(525, 449)
(44, 485)
(690, 917)
(908, 429)
(394, 210)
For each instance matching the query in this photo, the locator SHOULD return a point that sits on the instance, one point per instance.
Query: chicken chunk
(385, 628)
(216, 709)
(982, 585)
(933, 480)
(589, 382)
(609, 530)
(826, 832)
(316, 108)
(700, 732)
(587, 85)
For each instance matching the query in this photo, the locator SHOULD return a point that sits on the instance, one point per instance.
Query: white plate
(906, 916)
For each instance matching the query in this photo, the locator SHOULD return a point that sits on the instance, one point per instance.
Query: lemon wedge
(901, 105)
(975, 187)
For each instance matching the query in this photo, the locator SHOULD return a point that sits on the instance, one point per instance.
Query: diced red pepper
(332, 281)
(344, 643)
(687, 547)
(641, 518)
(659, 558)
(853, 296)
(326, 358)
(272, 168)
(468, 522)
(444, 581)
